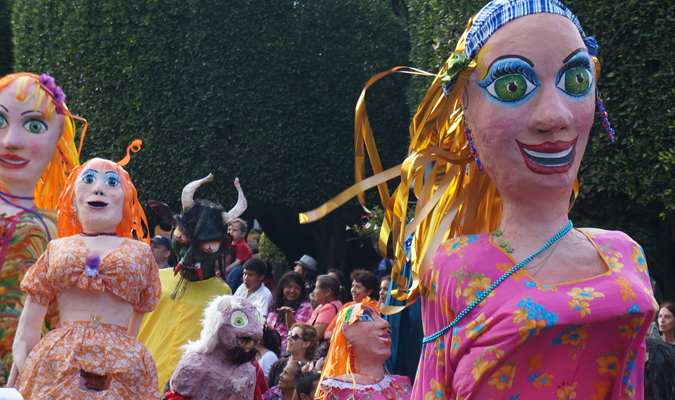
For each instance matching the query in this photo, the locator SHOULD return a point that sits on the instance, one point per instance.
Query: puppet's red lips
(385, 339)
(10, 161)
(548, 157)
(97, 205)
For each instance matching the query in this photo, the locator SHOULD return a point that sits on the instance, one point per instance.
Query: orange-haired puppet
(354, 367)
(105, 281)
(37, 154)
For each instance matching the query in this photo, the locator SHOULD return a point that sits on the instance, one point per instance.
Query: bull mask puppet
(200, 231)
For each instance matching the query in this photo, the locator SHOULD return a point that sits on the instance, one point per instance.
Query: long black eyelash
(38, 119)
(507, 69)
(581, 62)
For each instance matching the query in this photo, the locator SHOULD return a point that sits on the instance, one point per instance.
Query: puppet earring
(352, 358)
(603, 115)
(474, 152)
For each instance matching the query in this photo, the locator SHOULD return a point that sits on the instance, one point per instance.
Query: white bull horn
(239, 208)
(189, 191)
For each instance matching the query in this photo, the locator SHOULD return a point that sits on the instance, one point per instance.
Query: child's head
(237, 229)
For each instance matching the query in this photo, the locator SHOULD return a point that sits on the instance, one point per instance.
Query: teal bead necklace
(492, 287)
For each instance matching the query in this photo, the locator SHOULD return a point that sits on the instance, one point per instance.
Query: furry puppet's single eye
(238, 319)
(180, 237)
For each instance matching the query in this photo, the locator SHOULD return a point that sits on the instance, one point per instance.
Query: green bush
(6, 45)
(270, 253)
(262, 90)
(625, 184)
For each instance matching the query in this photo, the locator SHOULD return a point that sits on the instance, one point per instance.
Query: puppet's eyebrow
(574, 53)
(530, 63)
(6, 110)
(28, 112)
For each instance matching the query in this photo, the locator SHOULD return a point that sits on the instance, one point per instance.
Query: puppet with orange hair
(360, 330)
(105, 281)
(37, 153)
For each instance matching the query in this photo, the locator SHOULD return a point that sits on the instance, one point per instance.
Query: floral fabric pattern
(129, 271)
(23, 238)
(392, 387)
(53, 368)
(572, 340)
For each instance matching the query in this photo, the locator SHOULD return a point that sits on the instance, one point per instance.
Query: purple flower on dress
(91, 267)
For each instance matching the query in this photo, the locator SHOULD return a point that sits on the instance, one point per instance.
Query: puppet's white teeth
(559, 154)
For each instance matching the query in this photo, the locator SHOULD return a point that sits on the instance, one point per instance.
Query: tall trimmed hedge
(262, 90)
(6, 44)
(626, 184)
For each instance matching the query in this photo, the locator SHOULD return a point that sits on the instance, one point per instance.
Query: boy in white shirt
(253, 289)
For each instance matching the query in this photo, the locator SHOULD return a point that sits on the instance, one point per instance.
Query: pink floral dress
(392, 387)
(581, 339)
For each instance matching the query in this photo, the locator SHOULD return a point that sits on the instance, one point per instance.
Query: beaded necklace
(508, 273)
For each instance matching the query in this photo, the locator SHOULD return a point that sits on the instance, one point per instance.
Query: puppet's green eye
(238, 319)
(576, 81)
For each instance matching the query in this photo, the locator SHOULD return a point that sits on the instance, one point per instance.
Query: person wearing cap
(161, 250)
(306, 266)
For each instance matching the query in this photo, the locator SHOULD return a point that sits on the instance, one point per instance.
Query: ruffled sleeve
(149, 296)
(36, 284)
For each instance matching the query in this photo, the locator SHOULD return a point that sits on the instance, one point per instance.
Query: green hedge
(625, 184)
(262, 90)
(6, 44)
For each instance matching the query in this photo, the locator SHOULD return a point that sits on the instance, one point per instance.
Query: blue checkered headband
(498, 12)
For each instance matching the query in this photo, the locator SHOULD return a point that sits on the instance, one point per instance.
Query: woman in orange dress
(37, 152)
(104, 281)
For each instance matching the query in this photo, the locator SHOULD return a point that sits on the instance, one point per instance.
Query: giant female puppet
(104, 280)
(354, 368)
(37, 152)
(522, 305)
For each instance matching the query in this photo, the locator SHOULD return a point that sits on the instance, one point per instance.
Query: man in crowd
(253, 289)
(161, 250)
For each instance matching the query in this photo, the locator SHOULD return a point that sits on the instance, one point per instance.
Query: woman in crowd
(269, 349)
(286, 386)
(37, 153)
(384, 290)
(301, 347)
(364, 284)
(522, 306)
(328, 294)
(290, 305)
(666, 322)
(104, 281)
(354, 368)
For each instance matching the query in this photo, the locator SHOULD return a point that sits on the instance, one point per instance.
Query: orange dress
(52, 370)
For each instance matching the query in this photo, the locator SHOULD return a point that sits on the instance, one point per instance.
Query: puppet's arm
(27, 334)
(135, 323)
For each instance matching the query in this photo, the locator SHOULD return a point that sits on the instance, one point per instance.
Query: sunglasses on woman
(295, 337)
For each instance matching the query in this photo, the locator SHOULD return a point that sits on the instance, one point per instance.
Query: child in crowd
(242, 253)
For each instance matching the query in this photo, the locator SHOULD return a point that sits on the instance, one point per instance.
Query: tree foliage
(6, 44)
(262, 90)
(625, 184)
